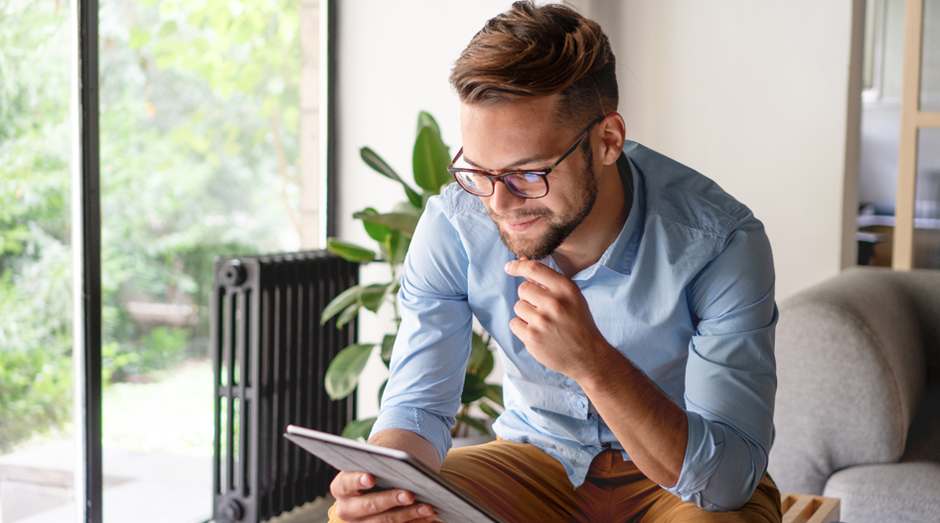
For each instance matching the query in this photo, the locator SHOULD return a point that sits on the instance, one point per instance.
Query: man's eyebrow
(514, 165)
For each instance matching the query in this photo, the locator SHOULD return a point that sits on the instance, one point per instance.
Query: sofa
(857, 412)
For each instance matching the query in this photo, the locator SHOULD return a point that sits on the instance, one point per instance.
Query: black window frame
(90, 351)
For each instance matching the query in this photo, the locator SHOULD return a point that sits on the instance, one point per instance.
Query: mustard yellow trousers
(525, 485)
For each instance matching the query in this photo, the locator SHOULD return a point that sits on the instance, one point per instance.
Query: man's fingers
(519, 328)
(386, 506)
(525, 311)
(533, 293)
(535, 272)
(347, 484)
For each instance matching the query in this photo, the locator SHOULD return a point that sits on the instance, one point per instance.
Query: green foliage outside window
(199, 148)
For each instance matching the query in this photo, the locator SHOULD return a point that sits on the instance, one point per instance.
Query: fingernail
(506, 268)
(364, 481)
(402, 497)
(424, 510)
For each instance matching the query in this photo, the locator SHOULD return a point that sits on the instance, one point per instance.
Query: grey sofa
(858, 401)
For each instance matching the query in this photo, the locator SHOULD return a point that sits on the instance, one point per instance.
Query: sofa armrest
(850, 368)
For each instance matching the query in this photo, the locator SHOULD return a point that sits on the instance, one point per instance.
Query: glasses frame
(493, 178)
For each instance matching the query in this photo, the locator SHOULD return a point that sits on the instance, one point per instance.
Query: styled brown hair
(537, 51)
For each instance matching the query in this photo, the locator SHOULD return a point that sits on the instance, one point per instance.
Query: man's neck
(586, 244)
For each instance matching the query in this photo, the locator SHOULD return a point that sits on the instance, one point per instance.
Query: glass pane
(200, 158)
(37, 449)
(927, 201)
(930, 58)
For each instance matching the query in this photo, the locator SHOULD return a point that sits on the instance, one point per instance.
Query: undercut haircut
(539, 51)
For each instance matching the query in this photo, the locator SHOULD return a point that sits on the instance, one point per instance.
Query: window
(207, 137)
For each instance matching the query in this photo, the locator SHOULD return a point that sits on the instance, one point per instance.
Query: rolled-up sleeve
(430, 355)
(730, 374)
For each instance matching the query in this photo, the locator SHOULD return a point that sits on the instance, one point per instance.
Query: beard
(560, 225)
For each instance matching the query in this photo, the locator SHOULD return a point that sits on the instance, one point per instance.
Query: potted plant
(392, 232)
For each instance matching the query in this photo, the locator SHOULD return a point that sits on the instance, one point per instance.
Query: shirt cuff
(719, 472)
(429, 426)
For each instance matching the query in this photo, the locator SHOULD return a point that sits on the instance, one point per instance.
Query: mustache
(520, 215)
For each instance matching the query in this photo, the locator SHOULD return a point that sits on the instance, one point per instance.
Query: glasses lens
(527, 184)
(474, 183)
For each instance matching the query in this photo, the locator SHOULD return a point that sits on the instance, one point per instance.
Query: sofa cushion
(897, 492)
(923, 438)
(850, 368)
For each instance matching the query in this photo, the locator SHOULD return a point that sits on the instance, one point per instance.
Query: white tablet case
(395, 469)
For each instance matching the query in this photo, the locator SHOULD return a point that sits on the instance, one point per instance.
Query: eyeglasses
(524, 183)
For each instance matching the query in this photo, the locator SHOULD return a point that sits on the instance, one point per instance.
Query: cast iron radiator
(270, 354)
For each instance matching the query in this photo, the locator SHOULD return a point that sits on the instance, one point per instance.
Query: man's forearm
(651, 427)
(409, 442)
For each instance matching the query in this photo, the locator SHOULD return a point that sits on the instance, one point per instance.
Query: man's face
(524, 135)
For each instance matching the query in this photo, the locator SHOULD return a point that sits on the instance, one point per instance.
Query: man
(631, 298)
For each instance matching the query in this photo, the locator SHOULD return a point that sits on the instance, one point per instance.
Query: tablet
(395, 469)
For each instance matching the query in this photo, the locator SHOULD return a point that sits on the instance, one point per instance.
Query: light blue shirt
(685, 292)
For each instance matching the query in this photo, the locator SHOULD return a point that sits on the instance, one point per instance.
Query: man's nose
(503, 201)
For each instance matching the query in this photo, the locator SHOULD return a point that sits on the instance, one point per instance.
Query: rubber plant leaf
(387, 343)
(473, 388)
(494, 393)
(430, 160)
(403, 222)
(340, 303)
(376, 231)
(374, 161)
(349, 251)
(359, 429)
(373, 295)
(342, 375)
(348, 315)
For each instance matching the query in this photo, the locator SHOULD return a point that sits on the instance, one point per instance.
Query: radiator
(270, 354)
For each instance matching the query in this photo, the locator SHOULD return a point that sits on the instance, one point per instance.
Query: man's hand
(355, 505)
(554, 321)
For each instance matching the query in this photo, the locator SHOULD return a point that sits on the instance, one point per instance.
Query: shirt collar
(620, 255)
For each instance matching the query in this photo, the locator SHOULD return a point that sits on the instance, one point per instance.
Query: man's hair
(538, 51)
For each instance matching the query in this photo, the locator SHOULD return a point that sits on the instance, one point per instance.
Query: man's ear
(613, 134)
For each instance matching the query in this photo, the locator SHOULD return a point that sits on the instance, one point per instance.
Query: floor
(36, 487)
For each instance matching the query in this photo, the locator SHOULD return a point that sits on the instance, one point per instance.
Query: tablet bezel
(407, 465)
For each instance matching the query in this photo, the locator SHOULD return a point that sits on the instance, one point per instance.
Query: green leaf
(473, 388)
(403, 222)
(430, 161)
(348, 315)
(426, 120)
(376, 231)
(413, 197)
(346, 298)
(139, 37)
(494, 393)
(488, 410)
(396, 247)
(478, 352)
(387, 343)
(359, 429)
(382, 391)
(373, 295)
(167, 29)
(342, 375)
(349, 251)
(475, 423)
(374, 161)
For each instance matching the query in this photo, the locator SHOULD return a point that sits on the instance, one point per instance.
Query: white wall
(753, 94)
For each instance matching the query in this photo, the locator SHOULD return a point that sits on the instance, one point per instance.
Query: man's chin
(524, 244)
